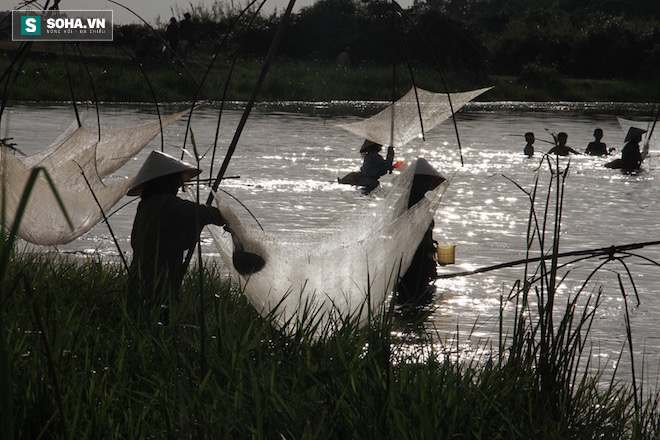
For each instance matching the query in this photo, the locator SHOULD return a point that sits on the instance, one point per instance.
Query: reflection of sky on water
(288, 166)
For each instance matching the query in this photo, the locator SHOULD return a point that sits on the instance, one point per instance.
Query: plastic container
(446, 253)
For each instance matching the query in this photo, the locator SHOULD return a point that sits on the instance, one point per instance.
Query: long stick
(602, 251)
(253, 97)
(229, 31)
(442, 76)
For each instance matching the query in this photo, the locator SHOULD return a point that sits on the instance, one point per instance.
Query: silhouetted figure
(596, 147)
(631, 156)
(186, 34)
(529, 147)
(373, 167)
(344, 58)
(415, 286)
(172, 37)
(561, 149)
(164, 227)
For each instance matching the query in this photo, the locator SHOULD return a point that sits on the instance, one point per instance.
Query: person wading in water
(373, 167)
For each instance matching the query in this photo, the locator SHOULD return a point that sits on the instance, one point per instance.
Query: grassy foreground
(78, 361)
(80, 366)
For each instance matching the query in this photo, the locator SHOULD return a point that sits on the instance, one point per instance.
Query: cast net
(80, 166)
(400, 123)
(112, 149)
(324, 278)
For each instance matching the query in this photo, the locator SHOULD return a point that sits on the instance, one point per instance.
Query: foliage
(596, 39)
(82, 364)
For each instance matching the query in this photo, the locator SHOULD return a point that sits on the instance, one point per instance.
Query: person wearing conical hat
(165, 226)
(373, 167)
(631, 157)
(415, 286)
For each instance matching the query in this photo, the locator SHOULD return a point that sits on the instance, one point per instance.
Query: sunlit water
(288, 163)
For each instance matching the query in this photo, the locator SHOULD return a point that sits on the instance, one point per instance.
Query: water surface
(286, 165)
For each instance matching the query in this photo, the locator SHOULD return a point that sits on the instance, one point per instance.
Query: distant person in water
(631, 156)
(529, 147)
(596, 147)
(373, 167)
(561, 149)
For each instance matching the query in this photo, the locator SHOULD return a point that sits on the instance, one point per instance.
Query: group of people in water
(166, 226)
(631, 155)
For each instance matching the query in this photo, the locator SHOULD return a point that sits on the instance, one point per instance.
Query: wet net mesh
(76, 151)
(322, 279)
(400, 123)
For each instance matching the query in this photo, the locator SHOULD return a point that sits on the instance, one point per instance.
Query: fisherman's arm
(389, 159)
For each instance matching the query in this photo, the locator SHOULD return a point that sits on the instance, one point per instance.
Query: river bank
(105, 74)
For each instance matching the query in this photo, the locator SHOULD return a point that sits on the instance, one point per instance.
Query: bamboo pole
(253, 97)
(609, 251)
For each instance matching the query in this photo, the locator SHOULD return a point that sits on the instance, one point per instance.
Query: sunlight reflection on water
(288, 166)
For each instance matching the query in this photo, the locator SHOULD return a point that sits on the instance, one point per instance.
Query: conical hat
(158, 165)
(634, 132)
(424, 168)
(369, 145)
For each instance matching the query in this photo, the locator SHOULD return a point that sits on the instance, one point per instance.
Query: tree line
(538, 41)
(597, 39)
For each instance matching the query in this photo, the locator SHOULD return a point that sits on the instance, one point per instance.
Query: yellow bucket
(446, 253)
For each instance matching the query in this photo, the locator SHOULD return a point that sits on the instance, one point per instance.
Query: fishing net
(75, 156)
(324, 278)
(115, 147)
(43, 221)
(400, 123)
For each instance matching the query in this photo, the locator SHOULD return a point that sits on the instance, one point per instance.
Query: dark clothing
(631, 157)
(596, 148)
(529, 150)
(373, 167)
(164, 227)
(186, 29)
(186, 32)
(415, 285)
(172, 34)
(562, 150)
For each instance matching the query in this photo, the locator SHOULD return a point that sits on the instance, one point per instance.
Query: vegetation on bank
(118, 78)
(79, 364)
(77, 360)
(594, 51)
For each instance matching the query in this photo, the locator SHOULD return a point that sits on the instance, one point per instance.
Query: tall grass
(79, 363)
(9, 234)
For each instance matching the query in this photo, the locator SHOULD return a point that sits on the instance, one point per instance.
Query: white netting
(43, 222)
(434, 108)
(332, 275)
(116, 147)
(75, 152)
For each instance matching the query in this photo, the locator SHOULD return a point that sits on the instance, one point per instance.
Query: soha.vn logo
(30, 25)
